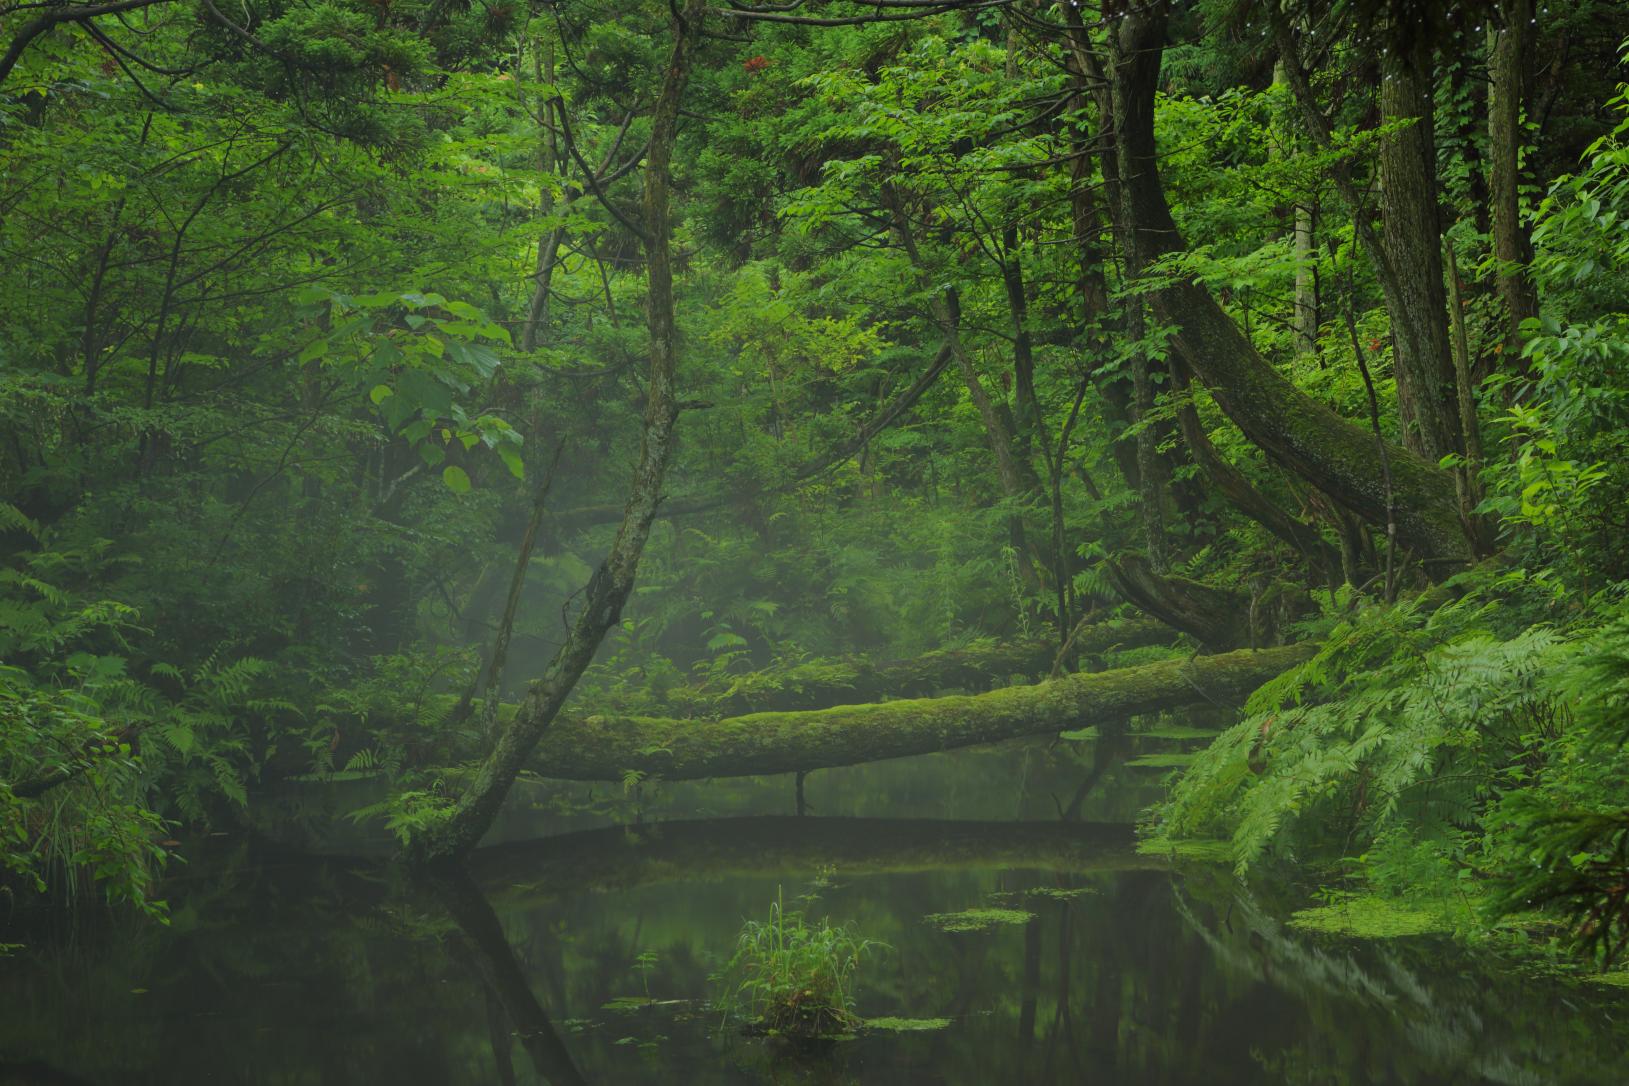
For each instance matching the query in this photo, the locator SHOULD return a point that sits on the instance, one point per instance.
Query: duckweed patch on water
(907, 1025)
(1048, 893)
(1367, 916)
(984, 919)
(1175, 848)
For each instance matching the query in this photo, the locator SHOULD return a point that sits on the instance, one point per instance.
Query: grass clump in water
(793, 977)
(978, 919)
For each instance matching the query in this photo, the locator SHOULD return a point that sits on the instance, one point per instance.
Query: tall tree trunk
(1508, 71)
(1292, 428)
(1304, 315)
(548, 246)
(611, 584)
(1413, 240)
(1151, 480)
(1025, 407)
(1305, 322)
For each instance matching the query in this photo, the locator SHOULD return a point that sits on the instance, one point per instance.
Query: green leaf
(379, 392)
(456, 478)
(512, 460)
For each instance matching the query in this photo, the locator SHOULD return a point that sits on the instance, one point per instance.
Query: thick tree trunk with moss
(597, 748)
(821, 684)
(611, 584)
(1241, 493)
(1215, 617)
(1326, 450)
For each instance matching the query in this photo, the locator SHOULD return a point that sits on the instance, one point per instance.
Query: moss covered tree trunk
(824, 683)
(600, 748)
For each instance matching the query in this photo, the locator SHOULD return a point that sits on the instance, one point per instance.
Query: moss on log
(821, 684)
(607, 747)
(625, 857)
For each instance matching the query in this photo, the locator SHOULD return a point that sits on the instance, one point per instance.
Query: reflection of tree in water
(509, 995)
(1437, 1021)
(335, 971)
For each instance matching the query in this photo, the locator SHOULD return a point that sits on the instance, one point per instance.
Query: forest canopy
(433, 393)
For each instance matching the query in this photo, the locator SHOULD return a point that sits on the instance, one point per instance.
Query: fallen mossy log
(824, 683)
(601, 747)
(625, 857)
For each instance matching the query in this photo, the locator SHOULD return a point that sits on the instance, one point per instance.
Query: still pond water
(579, 952)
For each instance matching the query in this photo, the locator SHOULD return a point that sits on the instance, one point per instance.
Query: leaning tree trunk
(598, 748)
(1307, 438)
(613, 581)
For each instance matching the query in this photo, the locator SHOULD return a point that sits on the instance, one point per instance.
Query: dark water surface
(584, 957)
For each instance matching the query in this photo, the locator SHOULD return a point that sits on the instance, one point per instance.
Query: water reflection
(585, 957)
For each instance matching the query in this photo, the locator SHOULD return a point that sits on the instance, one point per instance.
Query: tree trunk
(1306, 281)
(1241, 493)
(475, 810)
(598, 748)
(1509, 63)
(548, 246)
(821, 684)
(1215, 617)
(1301, 434)
(1413, 241)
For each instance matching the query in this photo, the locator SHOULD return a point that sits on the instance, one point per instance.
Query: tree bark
(1296, 431)
(1413, 240)
(822, 684)
(1241, 493)
(1509, 63)
(1215, 617)
(607, 748)
(609, 589)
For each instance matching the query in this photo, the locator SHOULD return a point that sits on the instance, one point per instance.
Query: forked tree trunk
(613, 581)
(1305, 437)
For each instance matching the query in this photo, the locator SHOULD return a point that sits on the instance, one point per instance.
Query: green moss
(978, 919)
(1201, 851)
(1080, 735)
(1368, 916)
(1162, 761)
(1618, 978)
(907, 1025)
